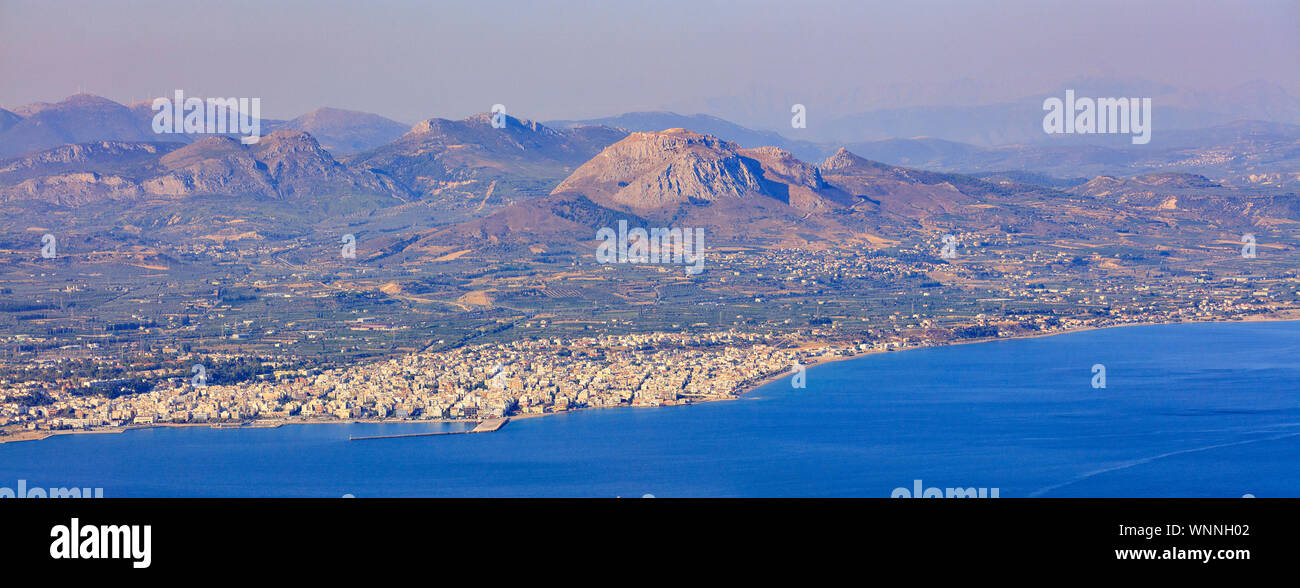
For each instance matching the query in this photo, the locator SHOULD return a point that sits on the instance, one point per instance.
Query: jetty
(487, 426)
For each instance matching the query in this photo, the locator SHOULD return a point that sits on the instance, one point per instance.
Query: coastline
(1292, 317)
(1287, 316)
(256, 424)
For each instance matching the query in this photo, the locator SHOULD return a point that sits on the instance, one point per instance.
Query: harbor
(487, 426)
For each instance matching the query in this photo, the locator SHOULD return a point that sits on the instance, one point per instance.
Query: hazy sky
(544, 60)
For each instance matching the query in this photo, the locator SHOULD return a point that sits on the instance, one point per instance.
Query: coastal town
(527, 377)
(531, 377)
(469, 383)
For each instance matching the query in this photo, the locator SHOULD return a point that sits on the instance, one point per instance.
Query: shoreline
(747, 388)
(1295, 317)
(256, 424)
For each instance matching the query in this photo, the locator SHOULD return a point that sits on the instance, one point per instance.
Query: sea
(1187, 410)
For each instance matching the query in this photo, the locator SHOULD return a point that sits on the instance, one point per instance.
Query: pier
(487, 426)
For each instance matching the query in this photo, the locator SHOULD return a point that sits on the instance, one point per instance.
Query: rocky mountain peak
(655, 170)
(843, 161)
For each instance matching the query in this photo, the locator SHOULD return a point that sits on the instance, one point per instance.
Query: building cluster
(476, 382)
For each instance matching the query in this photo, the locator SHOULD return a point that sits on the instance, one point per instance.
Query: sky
(566, 59)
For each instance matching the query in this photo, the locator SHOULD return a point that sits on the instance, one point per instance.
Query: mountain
(466, 184)
(766, 104)
(79, 118)
(77, 174)
(984, 114)
(921, 152)
(986, 125)
(1193, 198)
(659, 173)
(902, 192)
(992, 125)
(8, 120)
(1257, 100)
(562, 218)
(679, 173)
(285, 165)
(706, 124)
(106, 157)
(346, 131)
(464, 167)
(145, 112)
(766, 197)
(902, 200)
(676, 178)
(1244, 153)
(86, 118)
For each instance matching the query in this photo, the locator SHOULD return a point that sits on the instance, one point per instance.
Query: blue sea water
(1195, 410)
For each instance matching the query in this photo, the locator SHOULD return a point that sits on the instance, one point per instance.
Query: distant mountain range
(346, 131)
(468, 166)
(464, 183)
(980, 113)
(285, 165)
(764, 195)
(448, 159)
(673, 178)
(78, 119)
(1243, 153)
(85, 118)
